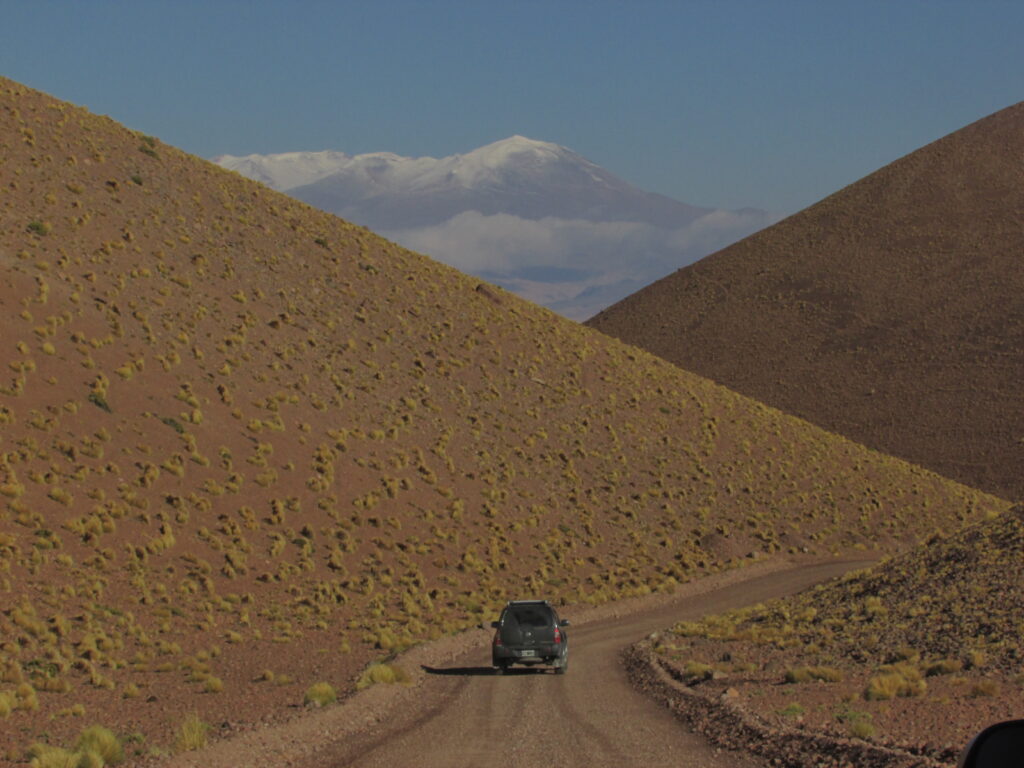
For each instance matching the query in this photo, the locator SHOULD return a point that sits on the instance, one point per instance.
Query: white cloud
(574, 266)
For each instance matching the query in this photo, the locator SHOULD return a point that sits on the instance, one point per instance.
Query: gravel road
(465, 716)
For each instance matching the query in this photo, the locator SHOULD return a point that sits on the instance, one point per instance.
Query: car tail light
(558, 635)
(497, 638)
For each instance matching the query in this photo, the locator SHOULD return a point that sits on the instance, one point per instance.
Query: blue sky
(766, 104)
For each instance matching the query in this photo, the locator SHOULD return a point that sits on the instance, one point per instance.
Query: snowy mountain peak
(502, 151)
(287, 169)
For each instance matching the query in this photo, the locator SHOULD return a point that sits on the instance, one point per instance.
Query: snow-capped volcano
(516, 176)
(531, 215)
(385, 169)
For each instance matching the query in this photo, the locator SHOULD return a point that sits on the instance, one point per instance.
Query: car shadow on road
(478, 671)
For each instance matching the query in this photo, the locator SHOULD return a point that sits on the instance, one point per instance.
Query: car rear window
(532, 615)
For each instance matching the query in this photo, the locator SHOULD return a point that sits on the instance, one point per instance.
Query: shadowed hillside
(248, 447)
(891, 312)
(923, 649)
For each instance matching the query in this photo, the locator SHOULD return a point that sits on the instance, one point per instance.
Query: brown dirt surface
(457, 712)
(891, 312)
(918, 653)
(247, 447)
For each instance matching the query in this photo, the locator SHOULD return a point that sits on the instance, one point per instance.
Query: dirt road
(465, 716)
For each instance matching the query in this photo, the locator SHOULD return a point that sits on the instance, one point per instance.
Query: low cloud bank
(573, 266)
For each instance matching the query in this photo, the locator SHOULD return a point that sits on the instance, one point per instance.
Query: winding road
(466, 716)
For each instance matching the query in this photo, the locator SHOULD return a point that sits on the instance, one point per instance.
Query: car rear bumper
(539, 654)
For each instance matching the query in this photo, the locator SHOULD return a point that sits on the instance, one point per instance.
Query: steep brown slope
(891, 312)
(923, 649)
(247, 447)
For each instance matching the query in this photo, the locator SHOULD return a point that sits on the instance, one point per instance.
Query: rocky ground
(915, 655)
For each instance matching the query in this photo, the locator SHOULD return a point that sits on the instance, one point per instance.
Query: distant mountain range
(532, 216)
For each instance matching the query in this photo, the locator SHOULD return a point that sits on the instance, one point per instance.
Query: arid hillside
(921, 651)
(248, 447)
(891, 312)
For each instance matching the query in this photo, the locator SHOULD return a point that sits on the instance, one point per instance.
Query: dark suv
(530, 632)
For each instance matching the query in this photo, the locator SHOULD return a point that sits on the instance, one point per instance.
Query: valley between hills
(250, 453)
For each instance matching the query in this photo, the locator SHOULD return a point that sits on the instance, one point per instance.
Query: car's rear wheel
(501, 668)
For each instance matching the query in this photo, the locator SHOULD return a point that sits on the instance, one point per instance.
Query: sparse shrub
(896, 680)
(942, 667)
(976, 659)
(7, 703)
(47, 756)
(793, 710)
(173, 424)
(320, 695)
(103, 742)
(984, 688)
(213, 685)
(191, 733)
(858, 724)
(379, 672)
(99, 401)
(907, 653)
(27, 699)
(96, 747)
(862, 728)
(695, 671)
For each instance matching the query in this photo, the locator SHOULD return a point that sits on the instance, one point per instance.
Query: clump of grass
(695, 671)
(984, 688)
(793, 710)
(7, 703)
(901, 680)
(862, 728)
(47, 756)
(320, 695)
(191, 733)
(943, 667)
(99, 401)
(173, 424)
(102, 742)
(379, 672)
(858, 724)
(96, 747)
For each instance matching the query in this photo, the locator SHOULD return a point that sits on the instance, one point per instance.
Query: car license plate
(527, 653)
